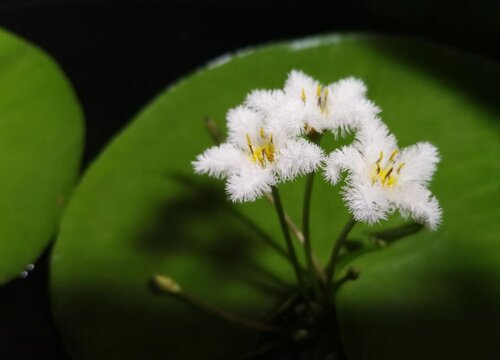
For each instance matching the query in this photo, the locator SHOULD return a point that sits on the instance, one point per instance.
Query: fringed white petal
(318, 121)
(348, 106)
(372, 137)
(243, 121)
(250, 183)
(289, 119)
(266, 101)
(282, 117)
(347, 158)
(298, 82)
(296, 158)
(420, 163)
(416, 201)
(366, 203)
(301, 91)
(218, 161)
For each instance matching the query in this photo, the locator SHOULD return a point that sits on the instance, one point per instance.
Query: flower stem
(286, 232)
(293, 227)
(300, 237)
(330, 268)
(168, 286)
(307, 235)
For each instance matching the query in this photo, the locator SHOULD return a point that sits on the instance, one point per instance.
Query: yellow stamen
(249, 142)
(269, 151)
(386, 172)
(323, 101)
(393, 155)
(387, 175)
(258, 156)
(303, 96)
(263, 153)
(318, 91)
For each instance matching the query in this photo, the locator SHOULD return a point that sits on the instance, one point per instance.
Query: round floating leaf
(41, 134)
(140, 211)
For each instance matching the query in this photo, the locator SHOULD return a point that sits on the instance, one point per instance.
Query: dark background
(119, 54)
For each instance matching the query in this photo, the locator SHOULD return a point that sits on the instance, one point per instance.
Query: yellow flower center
(264, 152)
(387, 174)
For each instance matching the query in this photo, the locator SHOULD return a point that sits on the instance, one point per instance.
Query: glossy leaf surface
(41, 134)
(140, 211)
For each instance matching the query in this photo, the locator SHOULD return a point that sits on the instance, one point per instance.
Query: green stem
(168, 286)
(330, 268)
(300, 238)
(306, 211)
(286, 232)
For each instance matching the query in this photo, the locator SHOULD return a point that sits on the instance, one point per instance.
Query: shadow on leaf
(200, 223)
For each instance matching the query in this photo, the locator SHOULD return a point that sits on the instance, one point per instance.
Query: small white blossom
(305, 105)
(381, 179)
(256, 156)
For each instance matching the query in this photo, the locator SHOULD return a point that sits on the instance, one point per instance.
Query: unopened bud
(167, 284)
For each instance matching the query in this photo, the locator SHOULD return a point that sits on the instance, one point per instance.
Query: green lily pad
(41, 133)
(140, 211)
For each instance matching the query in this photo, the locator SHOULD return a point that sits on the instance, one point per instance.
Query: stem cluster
(316, 284)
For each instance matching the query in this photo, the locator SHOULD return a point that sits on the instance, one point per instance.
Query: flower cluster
(269, 142)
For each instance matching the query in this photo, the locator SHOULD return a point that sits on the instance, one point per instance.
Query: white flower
(304, 104)
(256, 156)
(382, 179)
